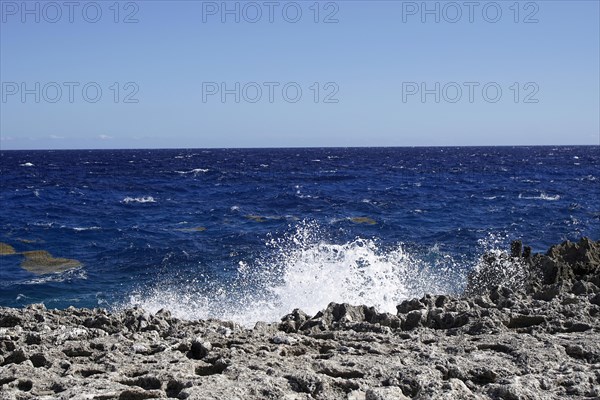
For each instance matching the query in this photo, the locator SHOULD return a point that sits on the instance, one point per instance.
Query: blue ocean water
(250, 234)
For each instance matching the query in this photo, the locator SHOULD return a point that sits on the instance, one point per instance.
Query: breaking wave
(304, 270)
(541, 196)
(194, 171)
(145, 199)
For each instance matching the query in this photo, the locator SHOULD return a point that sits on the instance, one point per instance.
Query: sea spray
(305, 269)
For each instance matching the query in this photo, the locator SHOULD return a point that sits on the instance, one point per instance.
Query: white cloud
(56, 137)
(104, 137)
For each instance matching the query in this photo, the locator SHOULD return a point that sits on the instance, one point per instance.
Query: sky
(181, 74)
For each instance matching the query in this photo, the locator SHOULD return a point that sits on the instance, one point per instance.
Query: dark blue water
(195, 226)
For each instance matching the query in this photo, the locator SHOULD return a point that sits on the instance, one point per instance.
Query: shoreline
(527, 327)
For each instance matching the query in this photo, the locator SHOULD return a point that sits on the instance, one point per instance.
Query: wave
(590, 178)
(58, 277)
(145, 199)
(541, 196)
(304, 270)
(194, 171)
(86, 228)
(27, 164)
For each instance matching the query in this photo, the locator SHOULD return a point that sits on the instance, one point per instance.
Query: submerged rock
(363, 220)
(256, 218)
(42, 262)
(6, 249)
(196, 229)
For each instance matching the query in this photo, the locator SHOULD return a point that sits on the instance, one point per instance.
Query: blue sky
(371, 73)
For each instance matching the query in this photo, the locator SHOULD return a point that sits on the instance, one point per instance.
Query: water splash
(496, 267)
(304, 269)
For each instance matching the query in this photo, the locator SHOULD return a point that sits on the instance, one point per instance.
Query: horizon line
(304, 147)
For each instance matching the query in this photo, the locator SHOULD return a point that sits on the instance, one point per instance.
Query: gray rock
(539, 339)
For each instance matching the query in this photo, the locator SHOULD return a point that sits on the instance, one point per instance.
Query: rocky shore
(527, 327)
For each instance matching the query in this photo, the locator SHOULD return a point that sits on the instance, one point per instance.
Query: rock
(293, 321)
(516, 249)
(385, 393)
(414, 319)
(6, 249)
(535, 340)
(342, 315)
(409, 305)
(139, 394)
(42, 262)
(200, 348)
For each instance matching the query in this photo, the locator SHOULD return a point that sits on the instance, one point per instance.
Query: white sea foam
(303, 270)
(145, 199)
(86, 228)
(27, 164)
(65, 276)
(541, 196)
(195, 171)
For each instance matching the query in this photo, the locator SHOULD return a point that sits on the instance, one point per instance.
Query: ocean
(250, 234)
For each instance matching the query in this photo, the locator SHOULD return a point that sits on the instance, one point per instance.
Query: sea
(250, 234)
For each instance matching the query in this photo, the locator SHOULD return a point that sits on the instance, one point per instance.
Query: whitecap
(145, 199)
(86, 228)
(65, 276)
(27, 164)
(194, 171)
(541, 196)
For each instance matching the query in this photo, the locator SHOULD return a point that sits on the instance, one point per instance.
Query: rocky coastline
(527, 327)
